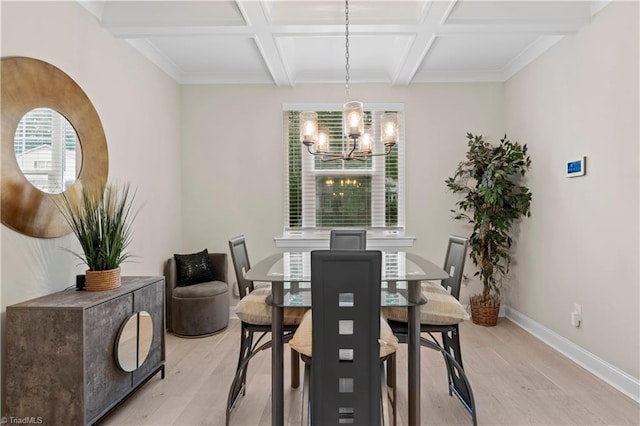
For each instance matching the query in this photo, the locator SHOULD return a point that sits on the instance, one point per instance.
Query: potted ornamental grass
(101, 220)
(494, 199)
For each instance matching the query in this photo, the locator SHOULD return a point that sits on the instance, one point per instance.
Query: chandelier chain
(346, 54)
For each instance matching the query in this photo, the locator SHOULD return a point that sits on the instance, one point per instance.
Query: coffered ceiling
(290, 42)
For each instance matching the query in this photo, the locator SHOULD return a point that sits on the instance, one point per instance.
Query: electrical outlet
(576, 315)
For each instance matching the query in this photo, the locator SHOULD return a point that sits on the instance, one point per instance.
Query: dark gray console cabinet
(60, 362)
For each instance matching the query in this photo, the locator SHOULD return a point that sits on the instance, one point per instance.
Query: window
(47, 150)
(341, 193)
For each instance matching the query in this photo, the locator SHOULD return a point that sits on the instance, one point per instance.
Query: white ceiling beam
(254, 14)
(515, 29)
(424, 38)
(151, 52)
(537, 48)
(477, 76)
(172, 31)
(315, 30)
(94, 7)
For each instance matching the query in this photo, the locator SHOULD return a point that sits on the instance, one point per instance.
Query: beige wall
(581, 243)
(138, 105)
(233, 157)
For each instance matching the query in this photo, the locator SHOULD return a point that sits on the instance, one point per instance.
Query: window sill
(319, 239)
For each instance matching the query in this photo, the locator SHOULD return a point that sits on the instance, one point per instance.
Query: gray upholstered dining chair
(255, 317)
(345, 348)
(348, 239)
(441, 314)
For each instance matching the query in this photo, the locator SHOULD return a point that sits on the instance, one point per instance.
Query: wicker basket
(486, 315)
(102, 280)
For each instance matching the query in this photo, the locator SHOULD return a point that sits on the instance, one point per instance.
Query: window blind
(341, 193)
(45, 145)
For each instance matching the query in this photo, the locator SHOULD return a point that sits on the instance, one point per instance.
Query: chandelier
(359, 139)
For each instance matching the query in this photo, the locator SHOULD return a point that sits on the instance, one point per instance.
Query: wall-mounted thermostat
(576, 167)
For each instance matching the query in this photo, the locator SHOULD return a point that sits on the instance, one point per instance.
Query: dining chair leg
(241, 372)
(295, 369)
(391, 370)
(245, 351)
(391, 384)
(384, 412)
(451, 345)
(246, 340)
(461, 387)
(305, 418)
(459, 383)
(388, 395)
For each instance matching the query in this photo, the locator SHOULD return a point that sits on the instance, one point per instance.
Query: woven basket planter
(484, 314)
(102, 280)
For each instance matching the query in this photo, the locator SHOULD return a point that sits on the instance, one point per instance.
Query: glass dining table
(290, 276)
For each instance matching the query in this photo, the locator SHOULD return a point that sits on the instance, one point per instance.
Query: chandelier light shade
(308, 127)
(353, 119)
(365, 143)
(389, 128)
(323, 140)
(359, 140)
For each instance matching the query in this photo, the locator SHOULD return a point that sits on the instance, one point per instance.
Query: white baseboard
(625, 383)
(232, 313)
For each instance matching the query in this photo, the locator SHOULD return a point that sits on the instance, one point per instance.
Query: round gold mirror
(28, 84)
(134, 341)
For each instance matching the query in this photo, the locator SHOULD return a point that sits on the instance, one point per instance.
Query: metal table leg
(414, 353)
(277, 355)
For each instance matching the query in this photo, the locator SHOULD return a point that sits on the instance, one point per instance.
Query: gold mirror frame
(26, 84)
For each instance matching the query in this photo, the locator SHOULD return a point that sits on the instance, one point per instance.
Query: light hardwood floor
(516, 379)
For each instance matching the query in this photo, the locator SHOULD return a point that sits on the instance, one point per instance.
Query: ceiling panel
(170, 13)
(474, 52)
(313, 59)
(536, 12)
(333, 12)
(204, 53)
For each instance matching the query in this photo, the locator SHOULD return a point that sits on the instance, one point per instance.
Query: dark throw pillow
(193, 268)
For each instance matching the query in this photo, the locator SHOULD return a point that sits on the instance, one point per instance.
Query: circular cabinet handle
(133, 341)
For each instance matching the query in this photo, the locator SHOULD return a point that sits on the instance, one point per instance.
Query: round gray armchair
(197, 294)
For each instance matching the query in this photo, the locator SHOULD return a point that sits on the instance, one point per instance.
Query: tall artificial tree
(494, 198)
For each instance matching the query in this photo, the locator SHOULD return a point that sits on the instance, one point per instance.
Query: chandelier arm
(363, 157)
(329, 159)
(381, 154)
(351, 151)
(325, 156)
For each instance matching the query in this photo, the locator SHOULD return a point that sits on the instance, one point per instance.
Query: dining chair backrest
(454, 264)
(348, 239)
(345, 372)
(240, 260)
